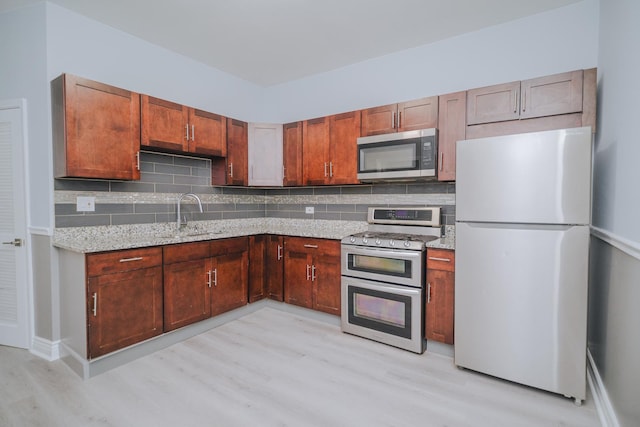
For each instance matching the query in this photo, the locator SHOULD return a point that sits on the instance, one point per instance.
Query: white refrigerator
(523, 206)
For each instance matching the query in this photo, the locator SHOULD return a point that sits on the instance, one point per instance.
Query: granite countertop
(118, 237)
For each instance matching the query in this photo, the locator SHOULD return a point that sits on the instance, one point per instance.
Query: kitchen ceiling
(268, 42)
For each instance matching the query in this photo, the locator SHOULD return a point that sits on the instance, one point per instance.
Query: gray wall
(614, 289)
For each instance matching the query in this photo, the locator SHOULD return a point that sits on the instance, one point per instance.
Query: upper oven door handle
(383, 253)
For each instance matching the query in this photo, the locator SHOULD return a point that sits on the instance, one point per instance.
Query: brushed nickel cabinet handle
(215, 277)
(279, 252)
(209, 278)
(231, 170)
(428, 293)
(330, 169)
(193, 132)
(187, 131)
(393, 120)
(523, 104)
(138, 160)
(441, 160)
(313, 273)
(399, 119)
(137, 258)
(95, 304)
(308, 274)
(433, 258)
(325, 169)
(515, 104)
(311, 246)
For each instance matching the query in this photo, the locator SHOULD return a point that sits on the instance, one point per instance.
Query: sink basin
(177, 235)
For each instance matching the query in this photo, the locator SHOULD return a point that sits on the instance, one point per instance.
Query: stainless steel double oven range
(383, 276)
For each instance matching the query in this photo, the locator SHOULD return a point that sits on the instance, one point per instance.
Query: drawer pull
(311, 246)
(137, 258)
(433, 258)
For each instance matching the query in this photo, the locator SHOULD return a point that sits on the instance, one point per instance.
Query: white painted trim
(41, 231)
(627, 246)
(604, 408)
(48, 350)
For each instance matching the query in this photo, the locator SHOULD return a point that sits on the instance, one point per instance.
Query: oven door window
(380, 311)
(381, 265)
(389, 156)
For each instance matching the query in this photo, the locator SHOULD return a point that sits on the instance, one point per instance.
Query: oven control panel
(426, 216)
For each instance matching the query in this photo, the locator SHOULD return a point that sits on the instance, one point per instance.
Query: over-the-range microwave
(402, 155)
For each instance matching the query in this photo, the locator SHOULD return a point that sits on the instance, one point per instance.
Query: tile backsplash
(163, 177)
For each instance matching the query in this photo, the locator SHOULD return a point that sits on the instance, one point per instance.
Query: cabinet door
(96, 129)
(452, 125)
(551, 95)
(343, 157)
(230, 274)
(265, 154)
(418, 114)
(237, 151)
(258, 267)
(315, 148)
(439, 310)
(298, 288)
(164, 125)
(326, 277)
(207, 133)
(123, 309)
(292, 153)
(275, 267)
(379, 120)
(493, 103)
(187, 293)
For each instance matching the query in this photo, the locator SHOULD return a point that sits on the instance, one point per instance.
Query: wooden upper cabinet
(344, 130)
(551, 95)
(418, 114)
(379, 120)
(96, 129)
(164, 124)
(540, 97)
(493, 103)
(237, 152)
(329, 146)
(208, 133)
(315, 148)
(168, 126)
(292, 154)
(412, 115)
(452, 125)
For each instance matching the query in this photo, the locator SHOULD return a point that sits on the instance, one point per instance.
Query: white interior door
(14, 322)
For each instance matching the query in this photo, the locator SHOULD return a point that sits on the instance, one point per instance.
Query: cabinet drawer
(117, 261)
(186, 252)
(441, 259)
(313, 246)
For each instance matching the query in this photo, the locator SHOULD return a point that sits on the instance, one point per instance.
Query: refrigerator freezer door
(541, 177)
(521, 304)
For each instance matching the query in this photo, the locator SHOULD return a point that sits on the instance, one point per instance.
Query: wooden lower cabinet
(312, 273)
(124, 299)
(230, 274)
(187, 294)
(266, 267)
(439, 308)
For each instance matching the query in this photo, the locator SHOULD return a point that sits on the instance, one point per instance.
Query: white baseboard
(48, 350)
(600, 396)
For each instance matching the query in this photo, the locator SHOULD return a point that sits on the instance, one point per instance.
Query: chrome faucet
(183, 221)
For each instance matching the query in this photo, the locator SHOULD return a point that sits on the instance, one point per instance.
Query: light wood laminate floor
(273, 368)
